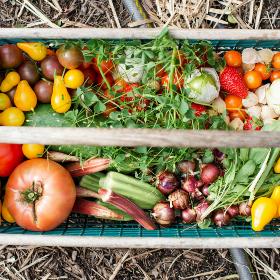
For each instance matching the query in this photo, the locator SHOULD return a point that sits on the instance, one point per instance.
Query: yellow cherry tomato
(5, 101)
(263, 210)
(277, 166)
(74, 78)
(12, 117)
(6, 215)
(33, 150)
(10, 81)
(25, 98)
(36, 50)
(61, 99)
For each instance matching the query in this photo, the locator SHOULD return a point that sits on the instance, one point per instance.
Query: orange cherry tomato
(263, 70)
(253, 79)
(233, 102)
(105, 65)
(50, 52)
(160, 72)
(241, 114)
(233, 58)
(275, 75)
(276, 61)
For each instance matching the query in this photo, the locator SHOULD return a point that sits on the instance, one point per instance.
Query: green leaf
(141, 150)
(99, 107)
(184, 107)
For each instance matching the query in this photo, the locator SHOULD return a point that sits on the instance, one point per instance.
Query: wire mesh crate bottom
(79, 225)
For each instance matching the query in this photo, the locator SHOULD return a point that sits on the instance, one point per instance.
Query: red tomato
(160, 72)
(177, 80)
(90, 76)
(40, 194)
(102, 83)
(105, 65)
(199, 109)
(127, 89)
(10, 157)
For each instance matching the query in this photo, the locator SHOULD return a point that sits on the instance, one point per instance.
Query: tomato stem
(34, 193)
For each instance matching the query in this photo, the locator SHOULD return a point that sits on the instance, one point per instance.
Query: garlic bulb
(250, 101)
(254, 111)
(219, 105)
(266, 55)
(250, 56)
(267, 113)
(261, 93)
(236, 124)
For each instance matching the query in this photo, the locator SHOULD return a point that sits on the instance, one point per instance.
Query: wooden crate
(139, 137)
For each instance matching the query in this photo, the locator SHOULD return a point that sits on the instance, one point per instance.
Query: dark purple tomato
(10, 56)
(50, 66)
(28, 71)
(43, 90)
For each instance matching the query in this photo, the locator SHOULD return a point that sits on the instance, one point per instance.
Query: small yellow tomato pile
(261, 73)
(34, 75)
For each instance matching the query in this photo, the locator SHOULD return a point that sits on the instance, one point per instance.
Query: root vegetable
(189, 184)
(186, 167)
(267, 113)
(219, 105)
(219, 156)
(163, 213)
(209, 173)
(205, 190)
(254, 111)
(179, 199)
(261, 93)
(221, 218)
(188, 215)
(244, 209)
(250, 101)
(200, 209)
(167, 182)
(233, 210)
(250, 56)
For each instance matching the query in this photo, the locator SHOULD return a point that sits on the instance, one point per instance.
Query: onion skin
(188, 216)
(186, 166)
(209, 173)
(221, 218)
(167, 182)
(233, 210)
(200, 209)
(205, 190)
(179, 199)
(197, 194)
(189, 184)
(163, 213)
(244, 209)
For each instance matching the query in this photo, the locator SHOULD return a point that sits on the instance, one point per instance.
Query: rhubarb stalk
(89, 166)
(82, 192)
(127, 206)
(83, 206)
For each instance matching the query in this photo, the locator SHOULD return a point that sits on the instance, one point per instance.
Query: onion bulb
(209, 173)
(244, 209)
(179, 199)
(205, 190)
(186, 167)
(163, 213)
(188, 215)
(200, 209)
(221, 218)
(233, 210)
(167, 182)
(189, 184)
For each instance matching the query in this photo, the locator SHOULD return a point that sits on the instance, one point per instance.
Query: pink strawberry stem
(86, 207)
(90, 166)
(127, 206)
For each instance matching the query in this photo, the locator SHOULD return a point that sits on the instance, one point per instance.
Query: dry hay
(243, 14)
(30, 263)
(58, 13)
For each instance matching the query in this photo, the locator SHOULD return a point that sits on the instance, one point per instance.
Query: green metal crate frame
(81, 230)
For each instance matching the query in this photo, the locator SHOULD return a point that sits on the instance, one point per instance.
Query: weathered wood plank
(139, 242)
(138, 33)
(138, 137)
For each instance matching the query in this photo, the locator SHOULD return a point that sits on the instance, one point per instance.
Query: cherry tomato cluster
(260, 74)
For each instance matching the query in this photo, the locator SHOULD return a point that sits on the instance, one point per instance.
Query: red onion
(199, 183)
(221, 218)
(167, 182)
(163, 214)
(233, 210)
(197, 194)
(200, 209)
(209, 173)
(244, 209)
(186, 167)
(179, 199)
(188, 215)
(219, 156)
(205, 190)
(189, 184)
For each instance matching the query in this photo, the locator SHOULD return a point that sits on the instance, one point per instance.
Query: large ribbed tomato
(40, 194)
(10, 156)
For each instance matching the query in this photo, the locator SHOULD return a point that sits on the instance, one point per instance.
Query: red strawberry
(199, 109)
(232, 81)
